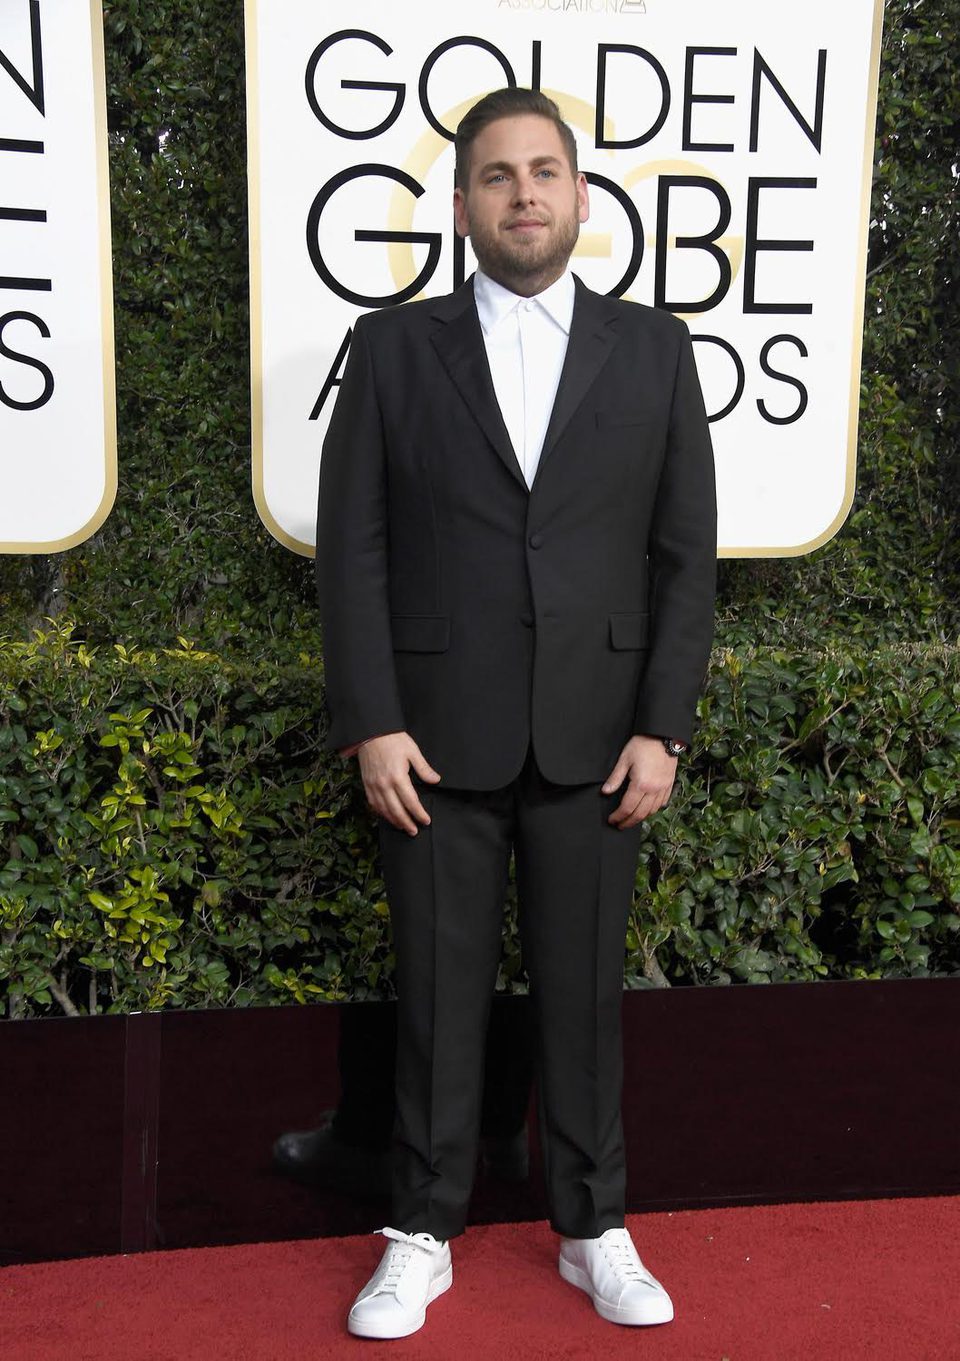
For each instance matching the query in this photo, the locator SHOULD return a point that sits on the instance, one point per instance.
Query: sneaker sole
(660, 1311)
(384, 1329)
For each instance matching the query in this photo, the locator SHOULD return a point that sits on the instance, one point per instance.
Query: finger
(637, 803)
(627, 804)
(395, 813)
(615, 779)
(643, 810)
(411, 803)
(649, 804)
(423, 768)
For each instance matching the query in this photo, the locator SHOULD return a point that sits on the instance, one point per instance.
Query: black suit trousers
(446, 888)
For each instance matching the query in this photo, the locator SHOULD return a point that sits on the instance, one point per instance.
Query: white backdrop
(730, 153)
(57, 395)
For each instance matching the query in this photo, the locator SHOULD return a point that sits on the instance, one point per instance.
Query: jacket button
(535, 540)
(527, 621)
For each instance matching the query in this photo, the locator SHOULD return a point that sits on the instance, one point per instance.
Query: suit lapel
(459, 343)
(593, 335)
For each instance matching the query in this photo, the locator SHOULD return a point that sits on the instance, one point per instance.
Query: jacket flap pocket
(420, 632)
(629, 631)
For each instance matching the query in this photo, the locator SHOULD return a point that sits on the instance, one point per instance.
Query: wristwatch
(673, 748)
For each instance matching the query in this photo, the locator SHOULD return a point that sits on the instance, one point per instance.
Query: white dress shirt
(526, 344)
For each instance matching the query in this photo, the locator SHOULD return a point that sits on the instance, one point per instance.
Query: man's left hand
(651, 772)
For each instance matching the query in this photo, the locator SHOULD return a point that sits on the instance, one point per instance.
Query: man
(516, 562)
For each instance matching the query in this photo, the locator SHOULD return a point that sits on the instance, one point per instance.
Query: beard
(513, 258)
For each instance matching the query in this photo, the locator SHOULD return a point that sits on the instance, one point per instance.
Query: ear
(583, 197)
(461, 217)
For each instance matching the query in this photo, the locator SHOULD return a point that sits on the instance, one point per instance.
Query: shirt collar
(494, 302)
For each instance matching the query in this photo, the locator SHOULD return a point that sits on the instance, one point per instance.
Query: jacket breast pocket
(622, 420)
(420, 632)
(629, 632)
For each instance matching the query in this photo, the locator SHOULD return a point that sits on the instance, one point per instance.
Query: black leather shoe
(319, 1157)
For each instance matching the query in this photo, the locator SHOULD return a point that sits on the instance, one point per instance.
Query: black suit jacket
(476, 614)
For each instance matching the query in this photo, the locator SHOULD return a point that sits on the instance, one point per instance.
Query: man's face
(523, 205)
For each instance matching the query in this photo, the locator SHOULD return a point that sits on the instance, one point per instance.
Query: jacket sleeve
(683, 564)
(351, 563)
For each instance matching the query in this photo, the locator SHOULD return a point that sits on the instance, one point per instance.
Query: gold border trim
(856, 353)
(251, 50)
(106, 306)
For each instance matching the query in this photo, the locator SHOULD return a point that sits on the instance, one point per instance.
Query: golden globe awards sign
(57, 398)
(728, 150)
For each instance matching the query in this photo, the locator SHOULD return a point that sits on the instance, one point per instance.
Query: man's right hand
(385, 764)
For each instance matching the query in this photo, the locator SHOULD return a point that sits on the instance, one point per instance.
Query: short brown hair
(507, 103)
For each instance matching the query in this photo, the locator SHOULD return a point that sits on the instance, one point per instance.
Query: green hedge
(175, 836)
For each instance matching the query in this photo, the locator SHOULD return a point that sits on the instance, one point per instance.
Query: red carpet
(821, 1282)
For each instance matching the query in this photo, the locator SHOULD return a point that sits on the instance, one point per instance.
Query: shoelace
(622, 1256)
(401, 1251)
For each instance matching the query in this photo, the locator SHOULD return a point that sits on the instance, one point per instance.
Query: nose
(524, 189)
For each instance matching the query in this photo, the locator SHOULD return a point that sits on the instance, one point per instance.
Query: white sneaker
(413, 1271)
(612, 1274)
